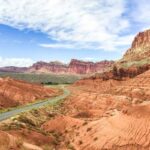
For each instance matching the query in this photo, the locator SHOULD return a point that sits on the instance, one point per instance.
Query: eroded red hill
(16, 92)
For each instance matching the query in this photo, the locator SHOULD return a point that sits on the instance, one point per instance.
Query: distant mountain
(13, 69)
(82, 67)
(74, 67)
(51, 67)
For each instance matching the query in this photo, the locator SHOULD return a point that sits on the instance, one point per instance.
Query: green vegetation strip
(43, 78)
(51, 101)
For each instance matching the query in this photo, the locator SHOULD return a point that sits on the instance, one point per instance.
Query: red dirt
(129, 130)
(10, 142)
(32, 137)
(108, 114)
(61, 123)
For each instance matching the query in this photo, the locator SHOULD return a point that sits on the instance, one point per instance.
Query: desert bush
(83, 114)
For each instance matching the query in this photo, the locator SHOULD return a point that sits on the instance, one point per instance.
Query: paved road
(51, 101)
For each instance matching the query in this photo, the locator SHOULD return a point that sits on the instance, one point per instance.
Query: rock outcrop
(82, 67)
(140, 48)
(74, 67)
(44, 67)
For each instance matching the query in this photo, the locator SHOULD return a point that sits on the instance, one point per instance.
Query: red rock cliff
(81, 67)
(140, 48)
(74, 67)
(43, 67)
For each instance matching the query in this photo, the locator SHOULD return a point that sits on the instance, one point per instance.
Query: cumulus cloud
(18, 62)
(93, 24)
(68, 46)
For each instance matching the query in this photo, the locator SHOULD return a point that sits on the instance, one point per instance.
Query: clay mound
(7, 142)
(89, 104)
(137, 88)
(127, 130)
(61, 123)
(141, 80)
(33, 137)
(16, 92)
(97, 84)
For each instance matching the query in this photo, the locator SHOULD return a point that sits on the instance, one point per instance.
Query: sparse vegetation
(70, 147)
(80, 142)
(135, 63)
(89, 129)
(96, 138)
(85, 123)
(19, 142)
(84, 114)
(49, 79)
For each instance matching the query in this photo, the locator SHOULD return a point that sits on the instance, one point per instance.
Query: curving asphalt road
(51, 101)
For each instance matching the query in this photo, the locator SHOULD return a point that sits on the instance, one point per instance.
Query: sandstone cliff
(74, 67)
(82, 67)
(44, 67)
(140, 48)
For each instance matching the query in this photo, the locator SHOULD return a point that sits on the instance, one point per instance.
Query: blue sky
(50, 30)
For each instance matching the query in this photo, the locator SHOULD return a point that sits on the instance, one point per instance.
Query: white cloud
(18, 62)
(124, 41)
(82, 22)
(94, 24)
(68, 46)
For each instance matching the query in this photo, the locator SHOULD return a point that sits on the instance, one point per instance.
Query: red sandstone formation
(52, 67)
(74, 67)
(140, 48)
(15, 92)
(81, 67)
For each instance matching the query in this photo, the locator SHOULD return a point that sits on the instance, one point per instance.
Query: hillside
(16, 92)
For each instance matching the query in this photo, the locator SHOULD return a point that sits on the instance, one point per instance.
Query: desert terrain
(106, 111)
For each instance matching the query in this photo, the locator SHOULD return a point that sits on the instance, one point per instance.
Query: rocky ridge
(140, 48)
(74, 67)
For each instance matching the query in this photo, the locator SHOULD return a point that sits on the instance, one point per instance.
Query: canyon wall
(140, 48)
(74, 67)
